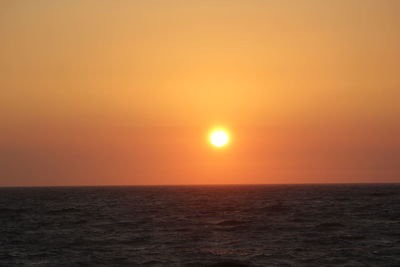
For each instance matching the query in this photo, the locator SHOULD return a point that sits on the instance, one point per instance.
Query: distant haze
(124, 92)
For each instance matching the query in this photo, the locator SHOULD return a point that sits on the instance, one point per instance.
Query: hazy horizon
(195, 185)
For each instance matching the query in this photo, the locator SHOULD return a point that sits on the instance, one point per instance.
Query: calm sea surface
(278, 225)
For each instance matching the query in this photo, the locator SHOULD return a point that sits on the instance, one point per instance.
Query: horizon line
(171, 185)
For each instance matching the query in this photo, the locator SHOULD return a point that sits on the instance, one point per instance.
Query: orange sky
(124, 92)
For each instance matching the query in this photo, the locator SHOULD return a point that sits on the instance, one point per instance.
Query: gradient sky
(124, 92)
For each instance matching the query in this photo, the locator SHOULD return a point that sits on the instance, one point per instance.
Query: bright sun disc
(219, 138)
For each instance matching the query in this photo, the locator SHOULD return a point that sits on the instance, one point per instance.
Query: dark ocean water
(278, 225)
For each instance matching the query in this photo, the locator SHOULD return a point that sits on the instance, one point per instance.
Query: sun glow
(219, 138)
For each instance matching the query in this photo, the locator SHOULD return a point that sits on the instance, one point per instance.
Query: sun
(219, 138)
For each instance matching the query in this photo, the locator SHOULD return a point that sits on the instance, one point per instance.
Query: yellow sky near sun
(252, 64)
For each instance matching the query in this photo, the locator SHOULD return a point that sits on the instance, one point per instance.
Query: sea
(224, 225)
